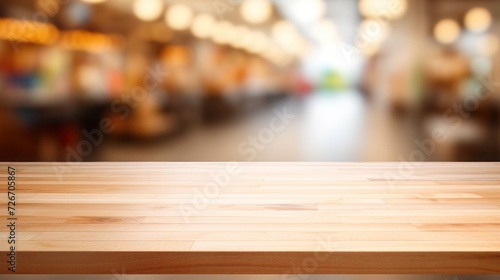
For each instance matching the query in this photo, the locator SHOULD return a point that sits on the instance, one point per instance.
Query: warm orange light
(89, 41)
(179, 17)
(478, 20)
(203, 25)
(256, 11)
(28, 31)
(447, 31)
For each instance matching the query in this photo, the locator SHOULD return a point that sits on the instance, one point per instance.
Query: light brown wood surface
(271, 218)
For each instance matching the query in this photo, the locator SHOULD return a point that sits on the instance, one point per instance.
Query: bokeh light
(148, 10)
(478, 20)
(447, 31)
(203, 25)
(179, 17)
(392, 9)
(307, 11)
(256, 11)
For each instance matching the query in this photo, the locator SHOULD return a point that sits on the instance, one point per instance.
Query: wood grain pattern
(270, 218)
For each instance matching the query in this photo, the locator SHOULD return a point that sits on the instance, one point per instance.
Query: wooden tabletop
(266, 218)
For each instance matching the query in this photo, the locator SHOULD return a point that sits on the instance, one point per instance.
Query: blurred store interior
(249, 80)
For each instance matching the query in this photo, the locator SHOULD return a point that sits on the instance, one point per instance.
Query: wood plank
(271, 218)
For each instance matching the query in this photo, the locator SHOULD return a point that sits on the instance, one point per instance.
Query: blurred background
(249, 80)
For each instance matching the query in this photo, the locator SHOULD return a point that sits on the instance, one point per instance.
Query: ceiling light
(147, 10)
(258, 43)
(223, 33)
(307, 11)
(179, 17)
(203, 25)
(242, 37)
(392, 9)
(284, 33)
(256, 11)
(478, 20)
(447, 31)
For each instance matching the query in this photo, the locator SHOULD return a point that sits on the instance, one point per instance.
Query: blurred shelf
(29, 102)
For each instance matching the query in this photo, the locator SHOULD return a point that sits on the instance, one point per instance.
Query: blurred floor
(325, 127)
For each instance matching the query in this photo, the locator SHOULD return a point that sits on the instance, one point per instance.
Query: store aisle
(320, 127)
